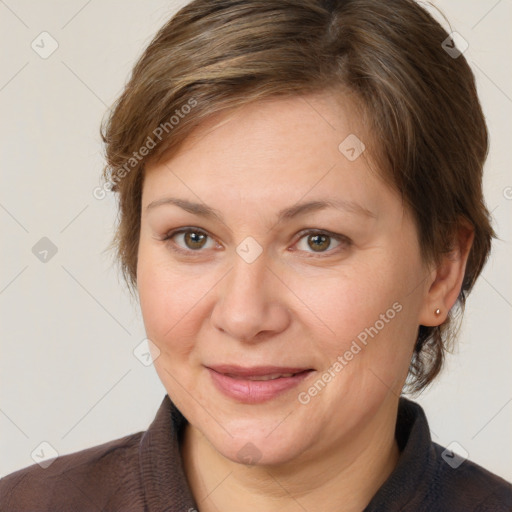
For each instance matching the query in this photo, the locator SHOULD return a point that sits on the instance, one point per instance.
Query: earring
(438, 311)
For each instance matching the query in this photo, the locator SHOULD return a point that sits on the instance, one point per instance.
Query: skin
(295, 305)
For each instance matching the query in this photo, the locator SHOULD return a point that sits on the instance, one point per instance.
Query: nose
(250, 306)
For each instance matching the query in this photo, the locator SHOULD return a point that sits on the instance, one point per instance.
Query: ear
(445, 280)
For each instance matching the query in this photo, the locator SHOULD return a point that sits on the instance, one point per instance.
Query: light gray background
(68, 331)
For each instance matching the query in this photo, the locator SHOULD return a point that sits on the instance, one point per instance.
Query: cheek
(368, 315)
(164, 309)
(166, 297)
(349, 300)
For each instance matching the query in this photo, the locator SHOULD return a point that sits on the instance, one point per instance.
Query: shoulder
(431, 477)
(463, 482)
(83, 480)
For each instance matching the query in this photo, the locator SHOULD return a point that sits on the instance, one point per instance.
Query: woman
(301, 216)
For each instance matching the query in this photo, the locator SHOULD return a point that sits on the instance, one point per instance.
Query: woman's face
(234, 291)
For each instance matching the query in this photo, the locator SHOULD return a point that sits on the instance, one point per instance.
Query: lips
(258, 383)
(261, 377)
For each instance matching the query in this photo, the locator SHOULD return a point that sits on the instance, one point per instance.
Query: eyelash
(344, 241)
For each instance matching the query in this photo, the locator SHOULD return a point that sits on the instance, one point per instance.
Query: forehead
(291, 124)
(273, 151)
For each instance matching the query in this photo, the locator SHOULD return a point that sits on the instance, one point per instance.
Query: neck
(342, 477)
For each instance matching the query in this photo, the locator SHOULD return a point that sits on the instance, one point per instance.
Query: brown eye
(188, 240)
(194, 239)
(320, 242)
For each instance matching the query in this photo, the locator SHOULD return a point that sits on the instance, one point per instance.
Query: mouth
(256, 384)
(262, 377)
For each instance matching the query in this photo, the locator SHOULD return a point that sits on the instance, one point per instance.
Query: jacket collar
(162, 473)
(166, 487)
(410, 479)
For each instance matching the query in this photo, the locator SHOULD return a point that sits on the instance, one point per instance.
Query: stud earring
(438, 311)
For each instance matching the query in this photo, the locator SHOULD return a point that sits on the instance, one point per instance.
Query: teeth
(263, 377)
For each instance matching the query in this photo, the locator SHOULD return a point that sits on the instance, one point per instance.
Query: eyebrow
(284, 215)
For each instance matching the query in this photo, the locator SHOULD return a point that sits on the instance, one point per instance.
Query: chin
(258, 451)
(258, 441)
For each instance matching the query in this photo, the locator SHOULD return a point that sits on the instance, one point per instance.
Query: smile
(257, 384)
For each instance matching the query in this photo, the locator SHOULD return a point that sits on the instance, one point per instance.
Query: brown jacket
(144, 472)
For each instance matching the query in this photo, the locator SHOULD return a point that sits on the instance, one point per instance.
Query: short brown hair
(419, 100)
